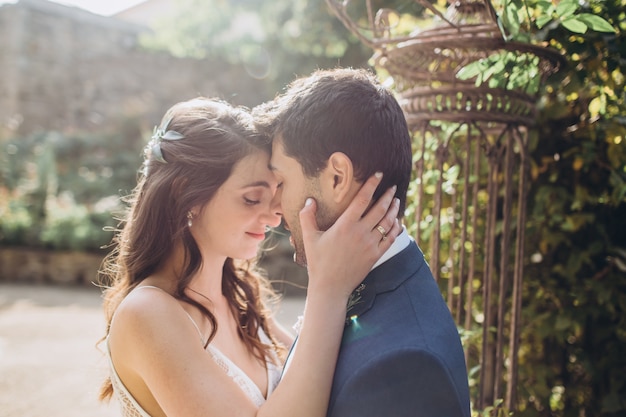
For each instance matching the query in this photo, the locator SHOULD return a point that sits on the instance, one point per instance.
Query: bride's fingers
(389, 237)
(362, 199)
(382, 212)
(397, 227)
(308, 223)
(386, 225)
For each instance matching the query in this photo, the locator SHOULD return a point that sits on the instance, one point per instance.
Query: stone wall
(37, 266)
(65, 69)
(32, 266)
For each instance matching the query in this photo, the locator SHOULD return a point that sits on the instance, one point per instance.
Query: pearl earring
(189, 219)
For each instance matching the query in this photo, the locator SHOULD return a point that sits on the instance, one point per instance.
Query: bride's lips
(258, 236)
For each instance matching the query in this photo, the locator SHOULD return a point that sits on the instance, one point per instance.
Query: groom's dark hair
(342, 110)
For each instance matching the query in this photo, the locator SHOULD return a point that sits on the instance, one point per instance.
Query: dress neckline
(242, 379)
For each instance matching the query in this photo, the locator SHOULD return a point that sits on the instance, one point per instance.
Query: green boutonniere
(354, 299)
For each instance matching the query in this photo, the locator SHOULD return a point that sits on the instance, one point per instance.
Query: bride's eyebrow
(263, 184)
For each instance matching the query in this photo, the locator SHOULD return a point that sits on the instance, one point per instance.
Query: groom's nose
(275, 205)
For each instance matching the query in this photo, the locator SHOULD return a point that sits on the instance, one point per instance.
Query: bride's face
(234, 222)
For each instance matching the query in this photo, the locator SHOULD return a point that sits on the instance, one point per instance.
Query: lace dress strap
(129, 407)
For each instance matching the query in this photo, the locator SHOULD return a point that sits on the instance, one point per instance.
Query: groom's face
(294, 188)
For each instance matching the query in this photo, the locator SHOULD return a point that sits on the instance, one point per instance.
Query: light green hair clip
(160, 134)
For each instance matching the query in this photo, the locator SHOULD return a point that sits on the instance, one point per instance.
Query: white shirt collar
(402, 241)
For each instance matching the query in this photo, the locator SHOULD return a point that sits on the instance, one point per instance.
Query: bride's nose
(275, 212)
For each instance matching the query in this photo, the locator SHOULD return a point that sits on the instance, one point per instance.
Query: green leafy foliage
(275, 41)
(521, 72)
(571, 354)
(520, 18)
(574, 293)
(520, 21)
(62, 191)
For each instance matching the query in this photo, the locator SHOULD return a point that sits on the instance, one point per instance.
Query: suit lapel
(384, 278)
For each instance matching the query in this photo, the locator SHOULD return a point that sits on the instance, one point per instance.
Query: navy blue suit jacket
(401, 353)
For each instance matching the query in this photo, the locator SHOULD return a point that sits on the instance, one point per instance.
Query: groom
(401, 353)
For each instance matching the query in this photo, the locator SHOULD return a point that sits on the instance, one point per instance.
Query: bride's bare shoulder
(147, 312)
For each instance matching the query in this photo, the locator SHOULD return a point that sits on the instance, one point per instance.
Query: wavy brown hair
(342, 110)
(216, 136)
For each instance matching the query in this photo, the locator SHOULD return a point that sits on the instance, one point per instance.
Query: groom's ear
(338, 178)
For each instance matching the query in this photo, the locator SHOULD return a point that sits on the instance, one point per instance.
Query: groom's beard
(325, 219)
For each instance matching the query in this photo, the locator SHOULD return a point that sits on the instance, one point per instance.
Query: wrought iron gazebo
(471, 165)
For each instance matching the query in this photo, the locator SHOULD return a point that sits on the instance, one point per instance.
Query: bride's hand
(341, 257)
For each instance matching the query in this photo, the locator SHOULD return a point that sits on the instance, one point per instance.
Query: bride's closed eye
(251, 202)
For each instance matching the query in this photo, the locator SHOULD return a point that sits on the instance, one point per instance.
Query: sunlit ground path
(49, 363)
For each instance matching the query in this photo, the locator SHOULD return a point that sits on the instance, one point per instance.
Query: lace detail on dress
(128, 405)
(240, 378)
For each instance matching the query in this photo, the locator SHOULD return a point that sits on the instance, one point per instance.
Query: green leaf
(566, 8)
(479, 79)
(574, 25)
(543, 20)
(511, 18)
(597, 106)
(493, 69)
(595, 22)
(470, 71)
(545, 6)
(533, 85)
(494, 83)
